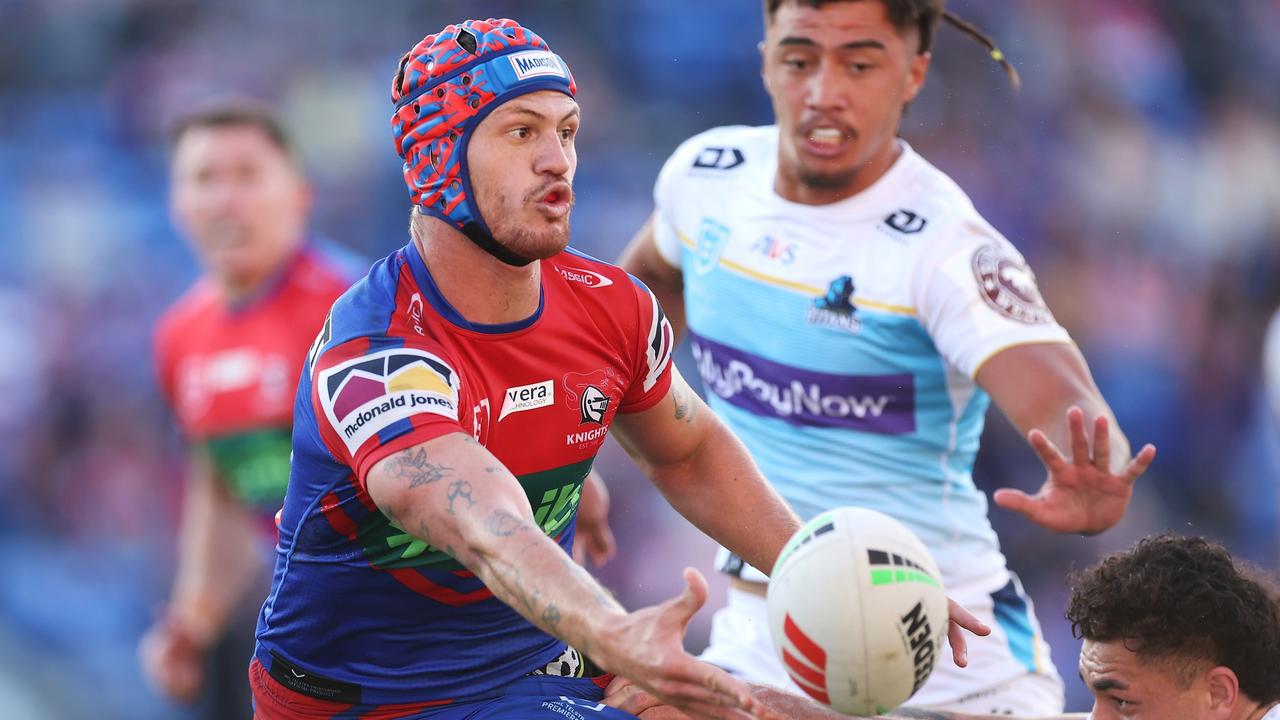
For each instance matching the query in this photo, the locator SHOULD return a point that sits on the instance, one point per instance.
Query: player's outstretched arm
(1036, 386)
(707, 475)
(452, 493)
(642, 259)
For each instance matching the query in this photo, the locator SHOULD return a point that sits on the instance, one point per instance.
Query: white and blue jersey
(841, 341)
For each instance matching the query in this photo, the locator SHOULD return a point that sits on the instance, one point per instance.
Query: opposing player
(228, 354)
(852, 315)
(1173, 629)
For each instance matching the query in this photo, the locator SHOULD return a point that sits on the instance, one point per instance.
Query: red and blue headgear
(446, 85)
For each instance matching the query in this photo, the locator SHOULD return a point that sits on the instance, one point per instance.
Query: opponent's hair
(923, 15)
(1186, 602)
(239, 112)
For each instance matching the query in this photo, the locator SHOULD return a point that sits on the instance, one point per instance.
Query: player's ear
(1224, 692)
(916, 74)
(764, 74)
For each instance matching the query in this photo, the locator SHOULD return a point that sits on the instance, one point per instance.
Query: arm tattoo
(685, 406)
(460, 490)
(551, 616)
(414, 465)
(504, 524)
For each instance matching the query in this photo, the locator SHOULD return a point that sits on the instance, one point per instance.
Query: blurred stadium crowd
(1138, 169)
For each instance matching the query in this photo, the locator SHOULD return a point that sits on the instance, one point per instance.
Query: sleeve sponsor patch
(661, 342)
(1008, 285)
(363, 396)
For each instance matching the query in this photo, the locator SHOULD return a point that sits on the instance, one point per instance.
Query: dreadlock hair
(923, 15)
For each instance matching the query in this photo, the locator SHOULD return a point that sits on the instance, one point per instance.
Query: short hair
(921, 15)
(1185, 600)
(238, 113)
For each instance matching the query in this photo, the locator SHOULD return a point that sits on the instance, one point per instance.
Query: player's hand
(594, 539)
(631, 698)
(960, 620)
(173, 660)
(647, 647)
(1083, 495)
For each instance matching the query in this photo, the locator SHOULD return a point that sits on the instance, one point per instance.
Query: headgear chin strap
(446, 85)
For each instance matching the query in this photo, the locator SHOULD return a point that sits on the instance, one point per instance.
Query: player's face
(839, 76)
(239, 200)
(521, 159)
(1125, 685)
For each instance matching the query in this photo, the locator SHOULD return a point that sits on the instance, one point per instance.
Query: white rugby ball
(857, 611)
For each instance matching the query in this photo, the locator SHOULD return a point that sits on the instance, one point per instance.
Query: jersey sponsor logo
(591, 395)
(527, 397)
(415, 313)
(365, 395)
(771, 248)
(712, 237)
(662, 340)
(586, 277)
(201, 378)
(836, 308)
(883, 404)
(906, 222)
(1007, 284)
(719, 158)
(536, 63)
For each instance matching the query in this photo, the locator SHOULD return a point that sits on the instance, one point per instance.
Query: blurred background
(1138, 170)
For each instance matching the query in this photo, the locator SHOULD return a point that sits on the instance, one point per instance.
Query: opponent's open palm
(1082, 495)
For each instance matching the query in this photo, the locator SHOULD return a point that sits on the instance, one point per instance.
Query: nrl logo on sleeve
(535, 63)
(369, 394)
(527, 397)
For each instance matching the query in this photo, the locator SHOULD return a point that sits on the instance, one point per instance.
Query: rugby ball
(857, 611)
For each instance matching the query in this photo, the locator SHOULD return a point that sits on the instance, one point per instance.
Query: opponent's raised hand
(1083, 494)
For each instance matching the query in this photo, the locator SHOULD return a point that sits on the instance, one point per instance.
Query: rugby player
(228, 354)
(852, 315)
(1173, 629)
(448, 412)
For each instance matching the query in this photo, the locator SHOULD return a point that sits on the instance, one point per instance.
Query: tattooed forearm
(427, 475)
(414, 466)
(685, 404)
(460, 493)
(504, 524)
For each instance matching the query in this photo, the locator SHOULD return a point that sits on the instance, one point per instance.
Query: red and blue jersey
(366, 612)
(230, 370)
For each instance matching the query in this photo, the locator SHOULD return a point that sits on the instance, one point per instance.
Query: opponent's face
(521, 159)
(1126, 685)
(839, 76)
(239, 200)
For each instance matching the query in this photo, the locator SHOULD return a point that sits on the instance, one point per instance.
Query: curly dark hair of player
(923, 15)
(1185, 602)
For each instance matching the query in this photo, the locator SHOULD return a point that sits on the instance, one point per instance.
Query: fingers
(965, 619)
(959, 646)
(1102, 444)
(1047, 452)
(1015, 500)
(602, 546)
(1079, 440)
(1140, 463)
(694, 595)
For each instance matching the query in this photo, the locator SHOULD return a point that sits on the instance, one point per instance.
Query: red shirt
(229, 371)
